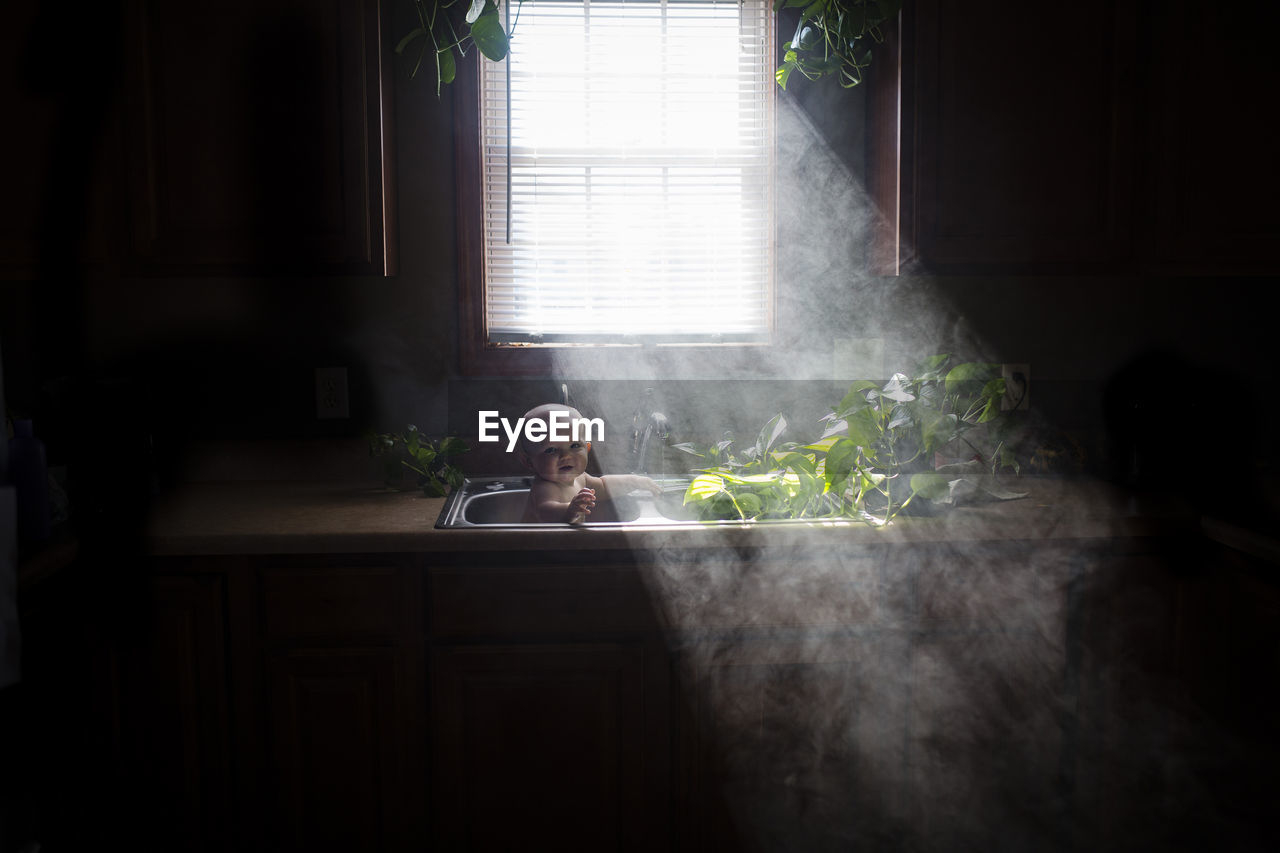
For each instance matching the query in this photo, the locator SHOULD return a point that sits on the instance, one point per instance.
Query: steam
(857, 693)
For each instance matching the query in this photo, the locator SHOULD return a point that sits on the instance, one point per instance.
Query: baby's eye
(577, 445)
(549, 450)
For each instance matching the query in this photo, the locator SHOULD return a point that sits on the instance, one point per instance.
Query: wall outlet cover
(1017, 387)
(331, 393)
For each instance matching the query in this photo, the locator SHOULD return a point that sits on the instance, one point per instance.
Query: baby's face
(557, 461)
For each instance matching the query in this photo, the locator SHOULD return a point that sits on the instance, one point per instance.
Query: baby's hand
(646, 483)
(581, 505)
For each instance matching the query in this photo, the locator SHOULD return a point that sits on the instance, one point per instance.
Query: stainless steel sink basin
(500, 501)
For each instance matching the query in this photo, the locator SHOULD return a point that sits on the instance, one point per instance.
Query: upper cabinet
(1128, 137)
(1211, 151)
(258, 137)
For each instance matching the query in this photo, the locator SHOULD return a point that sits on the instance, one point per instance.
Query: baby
(562, 489)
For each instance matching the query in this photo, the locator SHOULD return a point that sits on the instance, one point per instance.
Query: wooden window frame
(477, 357)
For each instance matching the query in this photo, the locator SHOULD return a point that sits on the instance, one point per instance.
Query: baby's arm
(621, 484)
(547, 506)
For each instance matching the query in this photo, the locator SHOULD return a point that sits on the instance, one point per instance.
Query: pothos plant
(874, 456)
(431, 460)
(832, 37)
(446, 27)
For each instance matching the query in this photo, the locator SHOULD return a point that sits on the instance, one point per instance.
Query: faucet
(647, 423)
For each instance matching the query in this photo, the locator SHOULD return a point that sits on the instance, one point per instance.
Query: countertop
(279, 517)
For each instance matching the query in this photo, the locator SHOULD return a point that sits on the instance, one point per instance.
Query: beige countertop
(277, 518)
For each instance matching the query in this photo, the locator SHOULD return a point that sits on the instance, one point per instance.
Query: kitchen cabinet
(1210, 158)
(939, 685)
(342, 702)
(550, 711)
(259, 137)
(175, 713)
(60, 152)
(1121, 139)
(1018, 137)
(546, 741)
(273, 704)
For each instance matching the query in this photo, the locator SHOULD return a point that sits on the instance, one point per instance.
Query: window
(625, 160)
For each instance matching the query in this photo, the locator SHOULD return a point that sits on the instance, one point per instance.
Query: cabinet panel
(986, 741)
(334, 604)
(549, 747)
(58, 156)
(1212, 168)
(726, 590)
(792, 743)
(1022, 137)
(258, 136)
(175, 708)
(479, 600)
(337, 720)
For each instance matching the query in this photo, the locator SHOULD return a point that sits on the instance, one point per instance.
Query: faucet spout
(655, 425)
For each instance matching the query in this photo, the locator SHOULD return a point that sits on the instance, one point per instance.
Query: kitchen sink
(486, 502)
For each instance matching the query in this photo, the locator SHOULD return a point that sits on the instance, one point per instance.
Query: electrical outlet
(331, 393)
(1017, 387)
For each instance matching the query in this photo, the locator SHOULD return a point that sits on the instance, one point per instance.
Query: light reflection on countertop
(284, 517)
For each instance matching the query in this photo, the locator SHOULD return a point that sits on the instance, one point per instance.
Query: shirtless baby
(562, 490)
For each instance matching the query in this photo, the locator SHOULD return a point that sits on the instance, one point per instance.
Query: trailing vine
(832, 37)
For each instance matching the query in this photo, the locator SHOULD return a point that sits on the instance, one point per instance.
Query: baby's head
(557, 461)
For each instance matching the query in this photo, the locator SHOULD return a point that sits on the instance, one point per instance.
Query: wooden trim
(477, 357)
(884, 153)
(383, 143)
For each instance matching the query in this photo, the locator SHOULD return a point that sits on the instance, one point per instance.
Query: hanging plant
(449, 27)
(834, 37)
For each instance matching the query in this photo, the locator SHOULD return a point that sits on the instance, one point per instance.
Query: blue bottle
(29, 471)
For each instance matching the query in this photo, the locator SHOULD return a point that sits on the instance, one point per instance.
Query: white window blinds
(633, 197)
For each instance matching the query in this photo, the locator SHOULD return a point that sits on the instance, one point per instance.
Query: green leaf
(896, 389)
(937, 429)
(928, 369)
(783, 74)
(451, 445)
(826, 442)
(477, 7)
(855, 398)
(796, 461)
(929, 484)
(703, 487)
(900, 416)
(749, 505)
(413, 34)
(864, 429)
(840, 462)
(960, 377)
(445, 65)
(490, 37)
(770, 433)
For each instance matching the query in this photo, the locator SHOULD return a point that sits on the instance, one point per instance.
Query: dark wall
(232, 357)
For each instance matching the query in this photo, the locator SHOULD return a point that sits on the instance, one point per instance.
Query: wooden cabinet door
(1210, 153)
(337, 754)
(259, 136)
(549, 747)
(342, 706)
(174, 706)
(1018, 136)
(791, 742)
